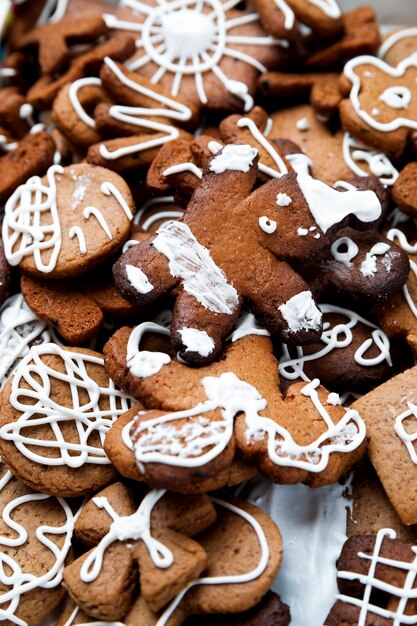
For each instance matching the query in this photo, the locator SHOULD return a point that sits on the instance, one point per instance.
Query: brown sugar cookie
(154, 533)
(404, 190)
(388, 412)
(32, 156)
(398, 45)
(56, 410)
(74, 315)
(85, 217)
(244, 549)
(380, 109)
(188, 434)
(35, 543)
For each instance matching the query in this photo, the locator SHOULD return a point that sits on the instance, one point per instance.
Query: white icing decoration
(334, 399)
(302, 232)
(192, 262)
(368, 266)
(399, 71)
(108, 189)
(371, 582)
(407, 438)
(396, 97)
(160, 215)
(395, 38)
(71, 619)
(75, 102)
(197, 341)
(343, 185)
(19, 328)
(281, 167)
(143, 363)
(301, 313)
(338, 336)
(392, 235)
(7, 72)
(53, 11)
(132, 527)
(149, 204)
(303, 124)
(17, 579)
(312, 523)
(329, 7)
(22, 224)
(355, 151)
(138, 279)
(329, 206)
(92, 210)
(76, 231)
(283, 199)
(7, 146)
(247, 325)
(344, 257)
(156, 441)
(226, 579)
(33, 380)
(289, 17)
(267, 225)
(183, 167)
(237, 157)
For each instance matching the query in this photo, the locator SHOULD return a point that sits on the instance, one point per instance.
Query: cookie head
(68, 221)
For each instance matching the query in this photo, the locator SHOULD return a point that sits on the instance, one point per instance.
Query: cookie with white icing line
(153, 534)
(404, 188)
(35, 540)
(353, 353)
(398, 45)
(194, 423)
(214, 286)
(390, 414)
(381, 107)
(56, 410)
(84, 216)
(377, 581)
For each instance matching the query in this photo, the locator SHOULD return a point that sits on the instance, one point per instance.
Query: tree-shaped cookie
(215, 267)
(198, 418)
(153, 535)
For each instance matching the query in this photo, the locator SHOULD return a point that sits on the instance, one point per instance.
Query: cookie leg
(142, 274)
(283, 302)
(197, 333)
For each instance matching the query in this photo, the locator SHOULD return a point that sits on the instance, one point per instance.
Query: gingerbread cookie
(398, 45)
(35, 539)
(56, 410)
(84, 218)
(190, 434)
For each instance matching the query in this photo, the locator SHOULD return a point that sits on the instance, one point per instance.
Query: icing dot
(303, 124)
(283, 199)
(302, 232)
(396, 97)
(267, 225)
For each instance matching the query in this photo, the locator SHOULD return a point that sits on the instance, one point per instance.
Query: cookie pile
(208, 276)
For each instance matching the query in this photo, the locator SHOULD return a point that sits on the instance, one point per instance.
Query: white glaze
(247, 325)
(33, 380)
(334, 337)
(75, 102)
(237, 157)
(301, 313)
(183, 167)
(143, 363)
(395, 38)
(369, 267)
(281, 167)
(344, 257)
(407, 438)
(289, 16)
(92, 210)
(197, 341)
(267, 225)
(303, 124)
(53, 11)
(396, 97)
(355, 151)
(329, 7)
(396, 234)
(76, 231)
(138, 279)
(283, 199)
(192, 262)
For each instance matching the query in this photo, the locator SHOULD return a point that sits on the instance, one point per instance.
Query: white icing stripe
(19, 327)
(237, 157)
(75, 102)
(138, 279)
(329, 7)
(344, 257)
(156, 441)
(76, 231)
(91, 210)
(160, 215)
(53, 11)
(191, 262)
(150, 203)
(372, 583)
(133, 527)
(22, 224)
(355, 151)
(289, 17)
(396, 72)
(16, 578)
(33, 380)
(329, 206)
(396, 234)
(338, 336)
(183, 167)
(395, 38)
(226, 579)
(110, 189)
(142, 363)
(407, 438)
(197, 341)
(281, 167)
(71, 619)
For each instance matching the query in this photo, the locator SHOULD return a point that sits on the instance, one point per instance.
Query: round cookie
(84, 217)
(55, 412)
(35, 545)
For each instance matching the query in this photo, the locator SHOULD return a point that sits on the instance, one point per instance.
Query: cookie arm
(282, 301)
(142, 273)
